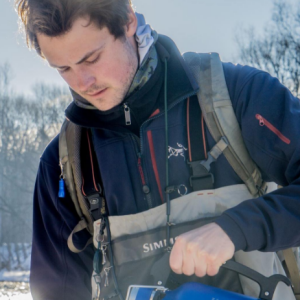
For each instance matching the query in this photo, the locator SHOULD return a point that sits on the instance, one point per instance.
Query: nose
(85, 80)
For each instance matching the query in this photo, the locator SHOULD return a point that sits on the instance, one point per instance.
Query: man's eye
(62, 70)
(93, 61)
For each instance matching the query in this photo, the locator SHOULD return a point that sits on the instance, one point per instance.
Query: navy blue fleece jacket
(269, 117)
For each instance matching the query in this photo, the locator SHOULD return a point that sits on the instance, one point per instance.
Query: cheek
(120, 73)
(110, 72)
(117, 66)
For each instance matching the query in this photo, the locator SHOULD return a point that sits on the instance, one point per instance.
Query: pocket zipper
(264, 122)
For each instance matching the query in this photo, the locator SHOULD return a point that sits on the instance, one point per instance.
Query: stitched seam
(49, 164)
(63, 251)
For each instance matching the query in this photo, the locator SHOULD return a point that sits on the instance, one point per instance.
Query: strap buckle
(201, 178)
(95, 200)
(202, 182)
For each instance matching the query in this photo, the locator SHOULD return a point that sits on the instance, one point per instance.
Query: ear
(131, 26)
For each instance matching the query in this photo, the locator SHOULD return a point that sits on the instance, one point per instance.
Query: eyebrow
(86, 56)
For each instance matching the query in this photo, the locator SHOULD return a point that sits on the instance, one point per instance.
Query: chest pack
(222, 124)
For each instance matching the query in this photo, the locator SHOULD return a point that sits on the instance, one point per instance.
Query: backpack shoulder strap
(292, 266)
(220, 118)
(69, 155)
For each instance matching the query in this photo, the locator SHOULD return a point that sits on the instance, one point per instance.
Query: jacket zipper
(264, 122)
(127, 114)
(146, 189)
(148, 196)
(144, 179)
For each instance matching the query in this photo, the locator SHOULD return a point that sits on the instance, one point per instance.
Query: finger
(200, 265)
(188, 264)
(176, 257)
(213, 269)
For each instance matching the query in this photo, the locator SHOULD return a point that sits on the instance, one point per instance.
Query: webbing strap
(72, 133)
(80, 226)
(92, 186)
(218, 149)
(292, 267)
(201, 178)
(65, 161)
(220, 118)
(195, 130)
(69, 153)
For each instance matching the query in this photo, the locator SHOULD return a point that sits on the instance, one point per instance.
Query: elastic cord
(168, 207)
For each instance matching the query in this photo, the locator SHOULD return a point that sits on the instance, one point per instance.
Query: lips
(97, 93)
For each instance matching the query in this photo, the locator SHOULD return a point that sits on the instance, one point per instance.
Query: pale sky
(195, 25)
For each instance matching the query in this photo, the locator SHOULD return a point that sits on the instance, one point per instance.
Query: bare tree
(26, 127)
(278, 50)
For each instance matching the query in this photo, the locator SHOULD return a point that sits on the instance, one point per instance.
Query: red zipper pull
(261, 120)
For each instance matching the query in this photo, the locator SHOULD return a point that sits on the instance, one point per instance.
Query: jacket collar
(180, 83)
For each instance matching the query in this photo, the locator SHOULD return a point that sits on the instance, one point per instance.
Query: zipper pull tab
(127, 114)
(106, 271)
(97, 279)
(260, 119)
(104, 255)
(97, 261)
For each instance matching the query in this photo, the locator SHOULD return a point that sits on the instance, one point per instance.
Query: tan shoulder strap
(67, 168)
(220, 118)
(293, 270)
(69, 153)
(80, 226)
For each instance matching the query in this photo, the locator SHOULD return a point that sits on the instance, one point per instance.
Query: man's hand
(201, 251)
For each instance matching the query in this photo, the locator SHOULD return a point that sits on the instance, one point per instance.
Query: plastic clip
(61, 186)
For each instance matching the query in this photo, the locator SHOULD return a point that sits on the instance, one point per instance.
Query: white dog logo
(177, 152)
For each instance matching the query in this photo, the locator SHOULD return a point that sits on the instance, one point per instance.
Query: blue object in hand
(197, 291)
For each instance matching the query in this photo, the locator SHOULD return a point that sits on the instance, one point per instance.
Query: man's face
(95, 65)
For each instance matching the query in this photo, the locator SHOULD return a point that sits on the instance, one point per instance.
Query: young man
(117, 69)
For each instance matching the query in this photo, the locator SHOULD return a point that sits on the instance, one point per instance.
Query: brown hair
(56, 17)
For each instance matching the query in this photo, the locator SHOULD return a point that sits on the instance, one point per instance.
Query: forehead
(80, 39)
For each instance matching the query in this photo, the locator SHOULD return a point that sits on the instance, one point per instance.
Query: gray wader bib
(138, 247)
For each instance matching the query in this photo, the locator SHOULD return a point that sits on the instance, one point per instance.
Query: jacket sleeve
(269, 117)
(56, 272)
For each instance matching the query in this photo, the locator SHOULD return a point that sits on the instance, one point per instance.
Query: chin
(105, 105)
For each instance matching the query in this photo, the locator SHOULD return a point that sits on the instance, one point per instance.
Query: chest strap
(92, 186)
(199, 160)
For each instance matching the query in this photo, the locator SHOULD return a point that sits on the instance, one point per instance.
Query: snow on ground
(14, 291)
(17, 297)
(14, 275)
